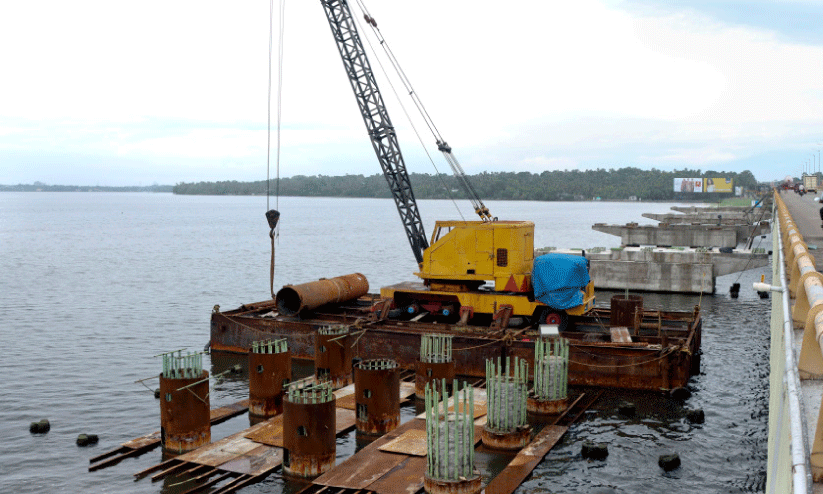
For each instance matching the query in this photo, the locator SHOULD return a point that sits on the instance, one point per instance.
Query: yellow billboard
(718, 184)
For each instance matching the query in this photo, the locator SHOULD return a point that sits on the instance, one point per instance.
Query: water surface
(94, 285)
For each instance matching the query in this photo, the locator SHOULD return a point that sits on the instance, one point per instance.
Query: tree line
(566, 185)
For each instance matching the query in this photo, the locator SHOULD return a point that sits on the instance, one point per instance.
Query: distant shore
(36, 187)
(621, 185)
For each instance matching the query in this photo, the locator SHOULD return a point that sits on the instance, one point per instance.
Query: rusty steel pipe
(435, 373)
(333, 359)
(377, 395)
(184, 413)
(269, 373)
(292, 299)
(506, 440)
(623, 309)
(547, 407)
(309, 442)
(472, 485)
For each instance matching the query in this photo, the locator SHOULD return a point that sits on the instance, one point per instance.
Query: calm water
(94, 284)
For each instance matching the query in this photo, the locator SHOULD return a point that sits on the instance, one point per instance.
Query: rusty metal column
(293, 299)
(436, 364)
(624, 309)
(507, 426)
(551, 377)
(333, 356)
(309, 430)
(269, 374)
(450, 441)
(184, 403)
(377, 395)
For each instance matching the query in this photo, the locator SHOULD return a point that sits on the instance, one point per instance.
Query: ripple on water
(123, 277)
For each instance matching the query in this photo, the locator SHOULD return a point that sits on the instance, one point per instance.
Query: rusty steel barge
(621, 346)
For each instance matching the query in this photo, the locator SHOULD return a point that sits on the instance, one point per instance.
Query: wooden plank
(214, 481)
(369, 464)
(348, 402)
(270, 432)
(220, 452)
(524, 462)
(405, 478)
(480, 404)
(411, 442)
(218, 415)
(143, 441)
(255, 462)
(359, 474)
(620, 335)
(155, 468)
(120, 450)
(346, 419)
(406, 390)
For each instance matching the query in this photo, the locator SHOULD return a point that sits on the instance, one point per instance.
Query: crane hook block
(273, 216)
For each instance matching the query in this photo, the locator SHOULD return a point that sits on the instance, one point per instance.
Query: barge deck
(658, 351)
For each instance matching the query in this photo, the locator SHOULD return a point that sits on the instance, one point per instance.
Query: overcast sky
(127, 93)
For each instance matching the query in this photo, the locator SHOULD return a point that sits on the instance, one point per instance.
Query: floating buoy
(157, 393)
(669, 462)
(695, 415)
(734, 291)
(680, 394)
(627, 409)
(40, 427)
(594, 451)
(87, 439)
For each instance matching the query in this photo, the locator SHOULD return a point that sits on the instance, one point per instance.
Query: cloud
(182, 87)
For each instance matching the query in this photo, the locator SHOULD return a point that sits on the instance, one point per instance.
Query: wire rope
(280, 94)
(408, 117)
(442, 146)
(274, 224)
(268, 107)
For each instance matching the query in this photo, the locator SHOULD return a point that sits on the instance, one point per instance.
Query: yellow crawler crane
(462, 257)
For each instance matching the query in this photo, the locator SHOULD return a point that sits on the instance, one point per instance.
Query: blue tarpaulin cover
(559, 278)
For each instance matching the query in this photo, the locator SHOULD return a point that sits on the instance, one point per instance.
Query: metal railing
(790, 467)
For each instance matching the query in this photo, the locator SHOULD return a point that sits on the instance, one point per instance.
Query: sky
(137, 93)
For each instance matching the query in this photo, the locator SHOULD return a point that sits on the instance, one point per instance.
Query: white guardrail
(790, 466)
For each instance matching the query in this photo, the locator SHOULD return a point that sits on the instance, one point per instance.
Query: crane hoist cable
(439, 175)
(442, 145)
(273, 215)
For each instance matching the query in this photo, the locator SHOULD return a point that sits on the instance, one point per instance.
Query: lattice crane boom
(378, 124)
